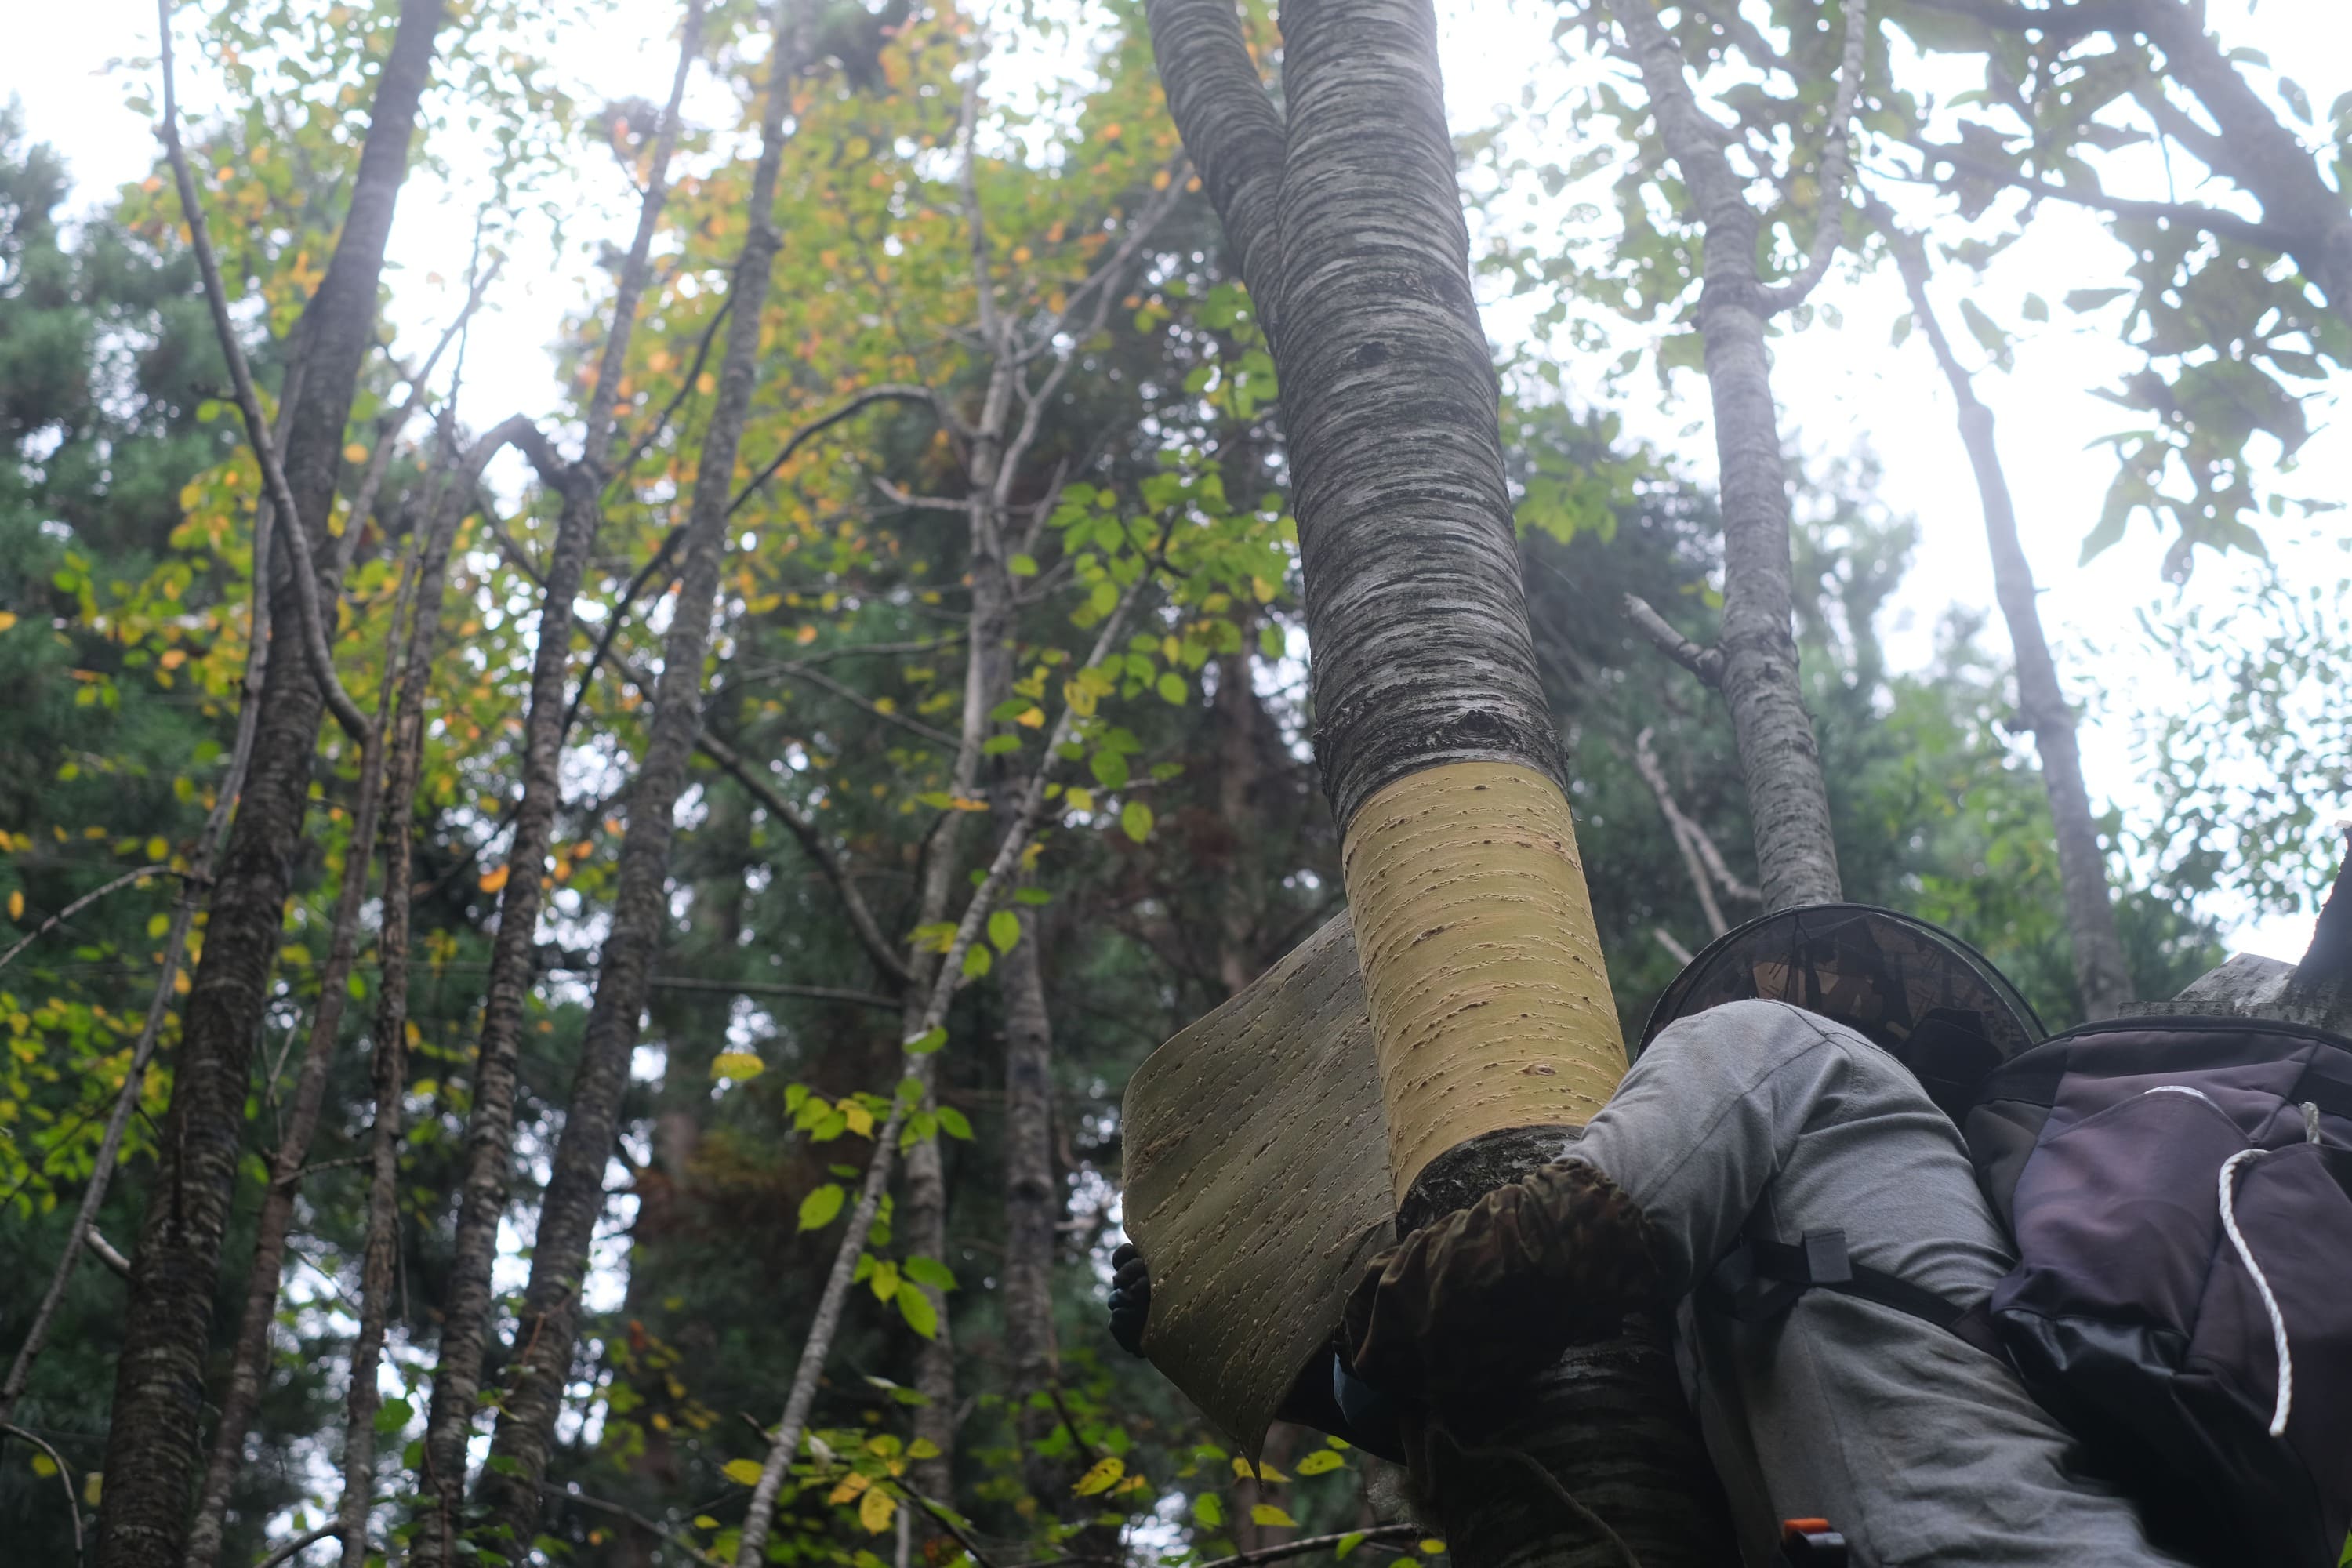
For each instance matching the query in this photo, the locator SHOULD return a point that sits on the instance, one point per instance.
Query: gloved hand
(1130, 1297)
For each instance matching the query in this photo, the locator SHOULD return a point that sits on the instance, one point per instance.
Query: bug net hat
(1929, 999)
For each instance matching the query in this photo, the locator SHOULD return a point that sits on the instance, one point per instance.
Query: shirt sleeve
(1708, 1117)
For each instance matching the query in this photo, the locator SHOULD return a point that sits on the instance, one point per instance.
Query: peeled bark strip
(2100, 973)
(1780, 759)
(489, 1128)
(153, 1440)
(1482, 965)
(574, 1200)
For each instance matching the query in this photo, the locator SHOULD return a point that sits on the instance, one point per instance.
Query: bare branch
(819, 848)
(71, 909)
(911, 503)
(1837, 167)
(850, 694)
(305, 575)
(295, 1547)
(65, 1480)
(1675, 949)
(2196, 214)
(889, 392)
(106, 1252)
(1306, 1544)
(614, 1510)
(2071, 21)
(1678, 826)
(1706, 663)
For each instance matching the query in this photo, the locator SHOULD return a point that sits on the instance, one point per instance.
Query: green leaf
(818, 1209)
(1171, 688)
(953, 1123)
(739, 1066)
(1209, 1510)
(355, 987)
(930, 1272)
(1268, 1514)
(997, 745)
(1320, 1462)
(1104, 1474)
(1983, 328)
(1023, 566)
(1003, 930)
(920, 1315)
(924, 1044)
(1031, 896)
(1348, 1544)
(2035, 310)
(742, 1472)
(1110, 769)
(392, 1416)
(976, 962)
(1135, 820)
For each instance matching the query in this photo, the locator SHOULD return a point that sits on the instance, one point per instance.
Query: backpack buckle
(1812, 1544)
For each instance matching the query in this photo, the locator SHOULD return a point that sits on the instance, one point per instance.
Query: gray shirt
(1920, 1449)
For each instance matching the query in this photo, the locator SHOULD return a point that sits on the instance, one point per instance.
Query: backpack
(2179, 1193)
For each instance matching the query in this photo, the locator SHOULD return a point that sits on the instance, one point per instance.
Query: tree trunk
(152, 1442)
(249, 1364)
(490, 1130)
(574, 1200)
(405, 746)
(1780, 760)
(2100, 973)
(1349, 228)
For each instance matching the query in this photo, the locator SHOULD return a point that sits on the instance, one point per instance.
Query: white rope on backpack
(2228, 1181)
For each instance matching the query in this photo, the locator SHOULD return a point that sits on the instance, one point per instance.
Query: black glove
(1130, 1297)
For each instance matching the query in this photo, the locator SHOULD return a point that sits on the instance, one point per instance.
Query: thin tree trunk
(1357, 259)
(249, 1364)
(1780, 759)
(488, 1171)
(800, 1398)
(574, 1200)
(153, 1441)
(2100, 973)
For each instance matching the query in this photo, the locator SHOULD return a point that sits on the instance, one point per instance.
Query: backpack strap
(1758, 1280)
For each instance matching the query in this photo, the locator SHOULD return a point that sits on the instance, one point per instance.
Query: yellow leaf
(355, 453)
(1030, 717)
(742, 1472)
(16, 905)
(491, 881)
(1267, 1513)
(874, 1510)
(1264, 1472)
(8, 618)
(1104, 1475)
(922, 1448)
(860, 1120)
(1082, 800)
(93, 1488)
(1318, 1462)
(851, 1485)
(741, 1065)
(43, 1465)
(158, 849)
(1432, 1547)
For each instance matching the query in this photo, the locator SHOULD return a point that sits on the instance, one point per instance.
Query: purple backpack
(2179, 1191)
(2180, 1194)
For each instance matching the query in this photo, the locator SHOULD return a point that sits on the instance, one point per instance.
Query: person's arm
(1706, 1118)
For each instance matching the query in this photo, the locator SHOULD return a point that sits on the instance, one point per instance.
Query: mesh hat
(1932, 1001)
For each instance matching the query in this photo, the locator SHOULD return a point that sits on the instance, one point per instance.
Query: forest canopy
(569, 971)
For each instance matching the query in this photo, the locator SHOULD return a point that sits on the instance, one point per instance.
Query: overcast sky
(1846, 390)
